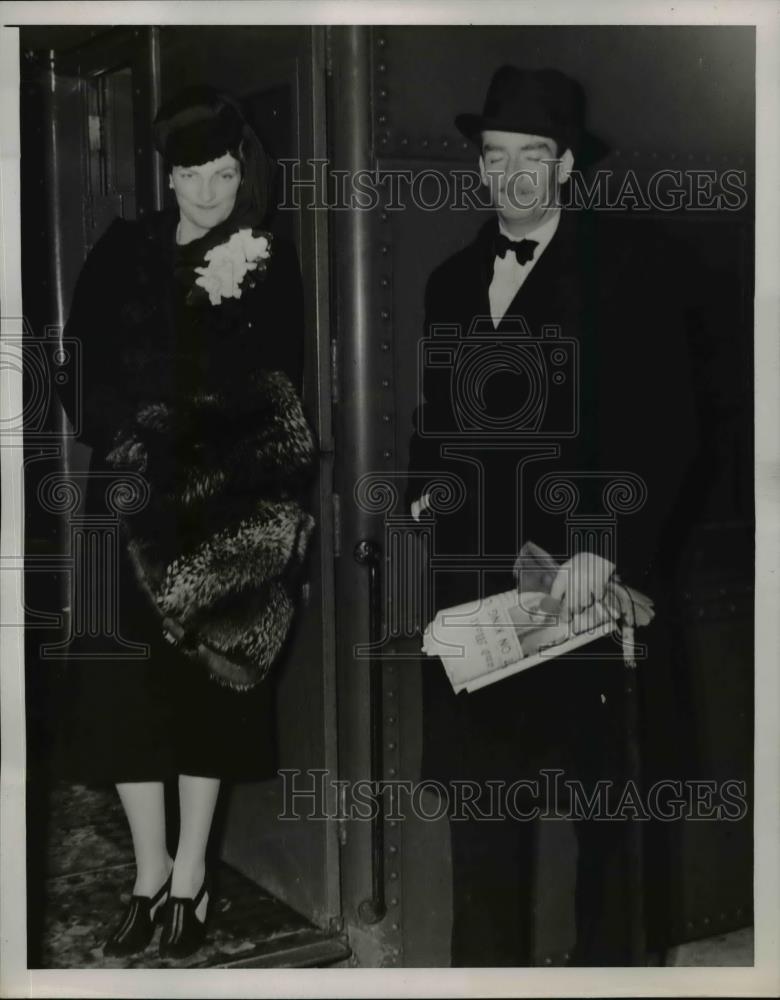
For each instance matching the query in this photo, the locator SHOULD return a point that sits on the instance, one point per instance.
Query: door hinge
(336, 502)
(334, 371)
(341, 822)
(95, 133)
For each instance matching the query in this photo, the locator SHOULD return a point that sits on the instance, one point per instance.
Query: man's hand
(581, 581)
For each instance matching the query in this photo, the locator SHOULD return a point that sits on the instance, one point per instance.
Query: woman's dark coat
(146, 347)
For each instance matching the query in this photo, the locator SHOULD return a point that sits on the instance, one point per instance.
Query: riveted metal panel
(367, 448)
(427, 75)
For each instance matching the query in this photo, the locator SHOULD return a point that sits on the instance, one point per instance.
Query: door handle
(373, 909)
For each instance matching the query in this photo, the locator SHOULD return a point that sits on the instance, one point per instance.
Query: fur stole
(220, 544)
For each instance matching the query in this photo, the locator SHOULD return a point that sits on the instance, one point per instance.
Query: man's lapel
(485, 256)
(545, 291)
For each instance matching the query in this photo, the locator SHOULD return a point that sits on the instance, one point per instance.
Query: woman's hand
(580, 582)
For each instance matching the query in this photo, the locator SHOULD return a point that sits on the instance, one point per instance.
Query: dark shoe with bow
(183, 933)
(137, 925)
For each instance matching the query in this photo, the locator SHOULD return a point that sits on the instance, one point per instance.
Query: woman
(190, 326)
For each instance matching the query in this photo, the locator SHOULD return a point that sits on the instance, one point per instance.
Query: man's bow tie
(522, 249)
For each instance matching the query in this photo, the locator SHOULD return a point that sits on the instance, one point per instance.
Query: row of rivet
(689, 925)
(392, 834)
(385, 344)
(425, 143)
(390, 729)
(736, 914)
(380, 91)
(446, 142)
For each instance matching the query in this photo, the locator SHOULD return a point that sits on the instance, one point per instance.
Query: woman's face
(206, 194)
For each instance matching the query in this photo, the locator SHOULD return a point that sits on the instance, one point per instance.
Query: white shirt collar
(542, 234)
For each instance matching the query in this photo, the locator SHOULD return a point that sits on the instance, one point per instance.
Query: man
(568, 339)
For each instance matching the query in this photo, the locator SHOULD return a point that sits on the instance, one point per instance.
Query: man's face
(206, 193)
(523, 173)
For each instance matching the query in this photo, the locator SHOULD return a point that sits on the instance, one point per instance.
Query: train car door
(105, 86)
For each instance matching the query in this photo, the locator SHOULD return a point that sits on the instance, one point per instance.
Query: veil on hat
(201, 124)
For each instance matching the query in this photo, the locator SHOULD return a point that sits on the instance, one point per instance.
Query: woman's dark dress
(153, 718)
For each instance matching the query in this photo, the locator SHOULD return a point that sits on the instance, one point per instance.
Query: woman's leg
(144, 804)
(197, 801)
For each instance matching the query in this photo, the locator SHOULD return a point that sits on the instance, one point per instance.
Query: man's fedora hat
(536, 102)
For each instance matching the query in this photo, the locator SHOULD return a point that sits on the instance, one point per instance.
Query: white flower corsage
(229, 263)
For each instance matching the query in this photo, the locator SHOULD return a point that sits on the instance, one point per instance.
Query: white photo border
(761, 980)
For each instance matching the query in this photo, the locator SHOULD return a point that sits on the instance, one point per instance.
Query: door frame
(301, 60)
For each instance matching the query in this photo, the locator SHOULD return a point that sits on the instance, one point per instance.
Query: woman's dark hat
(537, 102)
(200, 124)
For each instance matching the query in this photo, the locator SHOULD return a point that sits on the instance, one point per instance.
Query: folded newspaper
(484, 641)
